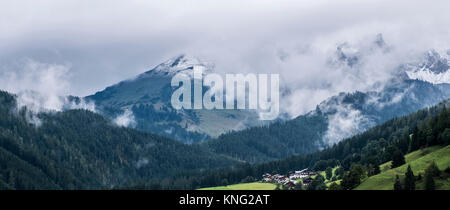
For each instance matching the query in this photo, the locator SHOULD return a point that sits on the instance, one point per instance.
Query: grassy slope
(418, 161)
(244, 186)
(383, 181)
(411, 156)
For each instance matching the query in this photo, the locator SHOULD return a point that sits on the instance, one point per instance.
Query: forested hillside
(427, 127)
(301, 135)
(313, 131)
(78, 149)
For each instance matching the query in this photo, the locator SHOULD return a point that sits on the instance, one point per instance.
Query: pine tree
(318, 183)
(397, 159)
(334, 186)
(429, 181)
(444, 137)
(410, 183)
(329, 173)
(414, 144)
(419, 177)
(373, 170)
(443, 120)
(339, 172)
(352, 178)
(376, 170)
(298, 186)
(434, 170)
(397, 184)
(430, 172)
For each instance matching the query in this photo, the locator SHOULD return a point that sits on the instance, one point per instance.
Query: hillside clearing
(244, 186)
(418, 160)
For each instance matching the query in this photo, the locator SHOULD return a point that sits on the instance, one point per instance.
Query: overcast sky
(103, 42)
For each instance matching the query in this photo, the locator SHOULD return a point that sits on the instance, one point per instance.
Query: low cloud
(126, 119)
(297, 39)
(345, 123)
(289, 36)
(141, 162)
(40, 87)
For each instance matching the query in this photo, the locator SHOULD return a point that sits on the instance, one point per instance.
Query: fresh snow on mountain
(145, 101)
(420, 83)
(432, 68)
(179, 64)
(429, 76)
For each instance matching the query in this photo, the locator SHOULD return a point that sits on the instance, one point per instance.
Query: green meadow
(244, 186)
(418, 160)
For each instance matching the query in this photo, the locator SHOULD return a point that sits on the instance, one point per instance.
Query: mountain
(419, 131)
(148, 96)
(431, 67)
(342, 115)
(144, 102)
(79, 149)
(334, 119)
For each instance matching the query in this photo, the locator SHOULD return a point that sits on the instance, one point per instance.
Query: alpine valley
(136, 139)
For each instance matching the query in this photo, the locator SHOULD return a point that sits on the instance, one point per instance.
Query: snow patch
(180, 64)
(428, 76)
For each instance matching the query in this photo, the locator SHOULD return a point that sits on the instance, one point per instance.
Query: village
(303, 177)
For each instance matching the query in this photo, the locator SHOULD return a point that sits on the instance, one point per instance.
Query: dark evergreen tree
(318, 183)
(397, 159)
(352, 178)
(419, 177)
(320, 165)
(433, 169)
(298, 186)
(429, 180)
(447, 170)
(329, 173)
(373, 170)
(339, 172)
(430, 172)
(444, 137)
(414, 144)
(410, 180)
(376, 170)
(397, 184)
(334, 186)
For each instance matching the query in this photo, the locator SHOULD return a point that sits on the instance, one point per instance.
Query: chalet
(301, 174)
(291, 180)
(267, 178)
(290, 185)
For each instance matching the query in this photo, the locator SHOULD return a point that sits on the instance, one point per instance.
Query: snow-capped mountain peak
(181, 63)
(432, 67)
(435, 62)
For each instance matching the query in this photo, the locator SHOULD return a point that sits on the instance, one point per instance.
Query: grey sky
(103, 42)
